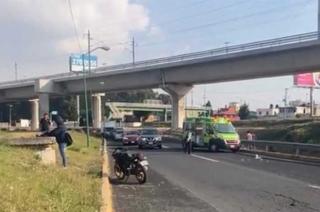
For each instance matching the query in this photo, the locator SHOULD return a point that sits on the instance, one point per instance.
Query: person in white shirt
(188, 145)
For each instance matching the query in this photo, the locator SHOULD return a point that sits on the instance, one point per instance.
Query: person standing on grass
(59, 132)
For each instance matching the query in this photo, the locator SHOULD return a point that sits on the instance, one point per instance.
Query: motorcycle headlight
(144, 139)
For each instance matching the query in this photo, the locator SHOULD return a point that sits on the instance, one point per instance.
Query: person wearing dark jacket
(45, 124)
(59, 132)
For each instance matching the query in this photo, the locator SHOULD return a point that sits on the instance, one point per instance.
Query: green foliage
(130, 96)
(244, 111)
(208, 104)
(66, 107)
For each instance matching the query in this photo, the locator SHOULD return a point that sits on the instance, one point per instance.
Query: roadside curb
(106, 189)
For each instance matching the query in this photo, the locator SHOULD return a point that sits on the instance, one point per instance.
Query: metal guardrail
(292, 148)
(186, 57)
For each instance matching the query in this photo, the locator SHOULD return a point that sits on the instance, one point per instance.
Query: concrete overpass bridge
(176, 75)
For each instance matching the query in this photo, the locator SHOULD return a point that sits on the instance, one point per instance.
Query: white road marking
(165, 146)
(314, 186)
(204, 158)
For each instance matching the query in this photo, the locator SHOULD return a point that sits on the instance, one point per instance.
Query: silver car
(149, 138)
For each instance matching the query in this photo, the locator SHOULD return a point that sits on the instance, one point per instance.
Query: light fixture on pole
(10, 116)
(105, 48)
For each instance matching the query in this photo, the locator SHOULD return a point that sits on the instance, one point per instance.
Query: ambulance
(213, 134)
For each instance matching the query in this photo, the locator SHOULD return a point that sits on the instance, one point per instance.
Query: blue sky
(40, 35)
(256, 20)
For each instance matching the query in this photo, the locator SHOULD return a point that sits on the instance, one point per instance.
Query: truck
(213, 134)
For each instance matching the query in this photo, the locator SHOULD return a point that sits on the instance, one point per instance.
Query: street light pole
(16, 71)
(10, 117)
(105, 48)
(133, 51)
(86, 100)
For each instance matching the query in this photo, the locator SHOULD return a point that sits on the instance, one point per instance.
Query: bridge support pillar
(97, 111)
(34, 114)
(177, 92)
(44, 103)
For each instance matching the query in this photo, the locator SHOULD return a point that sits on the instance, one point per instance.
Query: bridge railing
(217, 52)
(186, 57)
(290, 148)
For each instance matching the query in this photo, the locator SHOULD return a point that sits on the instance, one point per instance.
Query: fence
(290, 148)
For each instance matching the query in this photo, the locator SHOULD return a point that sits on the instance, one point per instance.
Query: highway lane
(235, 182)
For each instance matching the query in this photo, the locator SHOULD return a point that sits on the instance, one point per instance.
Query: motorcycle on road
(126, 164)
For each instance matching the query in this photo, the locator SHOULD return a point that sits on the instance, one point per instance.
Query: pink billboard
(307, 79)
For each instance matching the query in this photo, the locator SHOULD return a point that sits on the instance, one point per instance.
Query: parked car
(149, 138)
(130, 137)
(117, 134)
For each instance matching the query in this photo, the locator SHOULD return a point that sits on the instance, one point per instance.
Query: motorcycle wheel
(118, 172)
(141, 174)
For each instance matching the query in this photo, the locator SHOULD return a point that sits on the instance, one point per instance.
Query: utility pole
(318, 19)
(85, 88)
(133, 45)
(204, 96)
(191, 97)
(285, 102)
(89, 52)
(16, 71)
(311, 101)
(10, 116)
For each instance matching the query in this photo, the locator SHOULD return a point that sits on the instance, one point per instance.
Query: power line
(74, 24)
(201, 13)
(183, 18)
(237, 18)
(177, 32)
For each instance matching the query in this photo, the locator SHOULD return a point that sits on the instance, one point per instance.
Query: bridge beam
(177, 93)
(97, 110)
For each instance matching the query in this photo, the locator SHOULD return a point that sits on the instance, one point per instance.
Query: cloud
(45, 29)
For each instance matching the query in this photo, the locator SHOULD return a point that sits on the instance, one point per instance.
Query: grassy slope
(294, 131)
(26, 185)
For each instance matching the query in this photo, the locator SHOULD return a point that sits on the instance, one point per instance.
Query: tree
(66, 107)
(165, 98)
(244, 111)
(208, 104)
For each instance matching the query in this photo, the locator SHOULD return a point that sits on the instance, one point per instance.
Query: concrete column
(96, 110)
(177, 93)
(44, 103)
(165, 115)
(35, 114)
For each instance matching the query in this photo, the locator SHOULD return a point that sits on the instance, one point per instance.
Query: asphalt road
(223, 182)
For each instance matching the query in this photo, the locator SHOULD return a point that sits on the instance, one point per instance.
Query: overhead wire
(180, 31)
(74, 24)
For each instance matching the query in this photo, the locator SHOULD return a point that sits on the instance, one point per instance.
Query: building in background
(294, 112)
(235, 106)
(230, 113)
